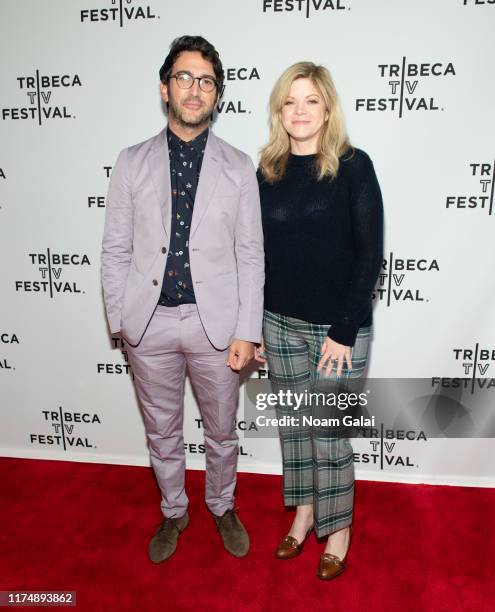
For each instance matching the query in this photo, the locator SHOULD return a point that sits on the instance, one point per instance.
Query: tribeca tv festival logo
(99, 201)
(484, 178)
(241, 76)
(394, 283)
(404, 85)
(64, 426)
(116, 368)
(307, 7)
(120, 11)
(476, 367)
(7, 338)
(383, 449)
(51, 268)
(477, 2)
(39, 105)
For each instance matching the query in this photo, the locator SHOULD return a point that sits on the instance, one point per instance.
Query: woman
(322, 221)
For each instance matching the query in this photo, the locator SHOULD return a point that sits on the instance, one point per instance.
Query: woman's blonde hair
(334, 141)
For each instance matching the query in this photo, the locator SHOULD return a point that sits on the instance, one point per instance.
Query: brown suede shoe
(330, 565)
(234, 535)
(289, 547)
(164, 542)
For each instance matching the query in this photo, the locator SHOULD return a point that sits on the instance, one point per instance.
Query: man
(182, 274)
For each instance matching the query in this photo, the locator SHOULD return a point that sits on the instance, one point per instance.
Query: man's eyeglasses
(185, 80)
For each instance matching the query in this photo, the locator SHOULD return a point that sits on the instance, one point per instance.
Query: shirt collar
(177, 144)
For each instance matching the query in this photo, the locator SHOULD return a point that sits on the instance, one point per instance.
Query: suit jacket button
(155, 282)
(164, 249)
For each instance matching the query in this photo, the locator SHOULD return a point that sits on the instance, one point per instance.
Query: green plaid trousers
(318, 467)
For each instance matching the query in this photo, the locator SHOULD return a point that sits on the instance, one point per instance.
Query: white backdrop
(80, 82)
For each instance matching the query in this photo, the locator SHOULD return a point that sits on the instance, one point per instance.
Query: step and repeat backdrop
(80, 82)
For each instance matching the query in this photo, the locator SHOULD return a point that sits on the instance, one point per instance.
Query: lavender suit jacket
(225, 242)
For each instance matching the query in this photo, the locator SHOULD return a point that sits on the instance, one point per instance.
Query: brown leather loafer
(331, 566)
(234, 535)
(289, 547)
(164, 542)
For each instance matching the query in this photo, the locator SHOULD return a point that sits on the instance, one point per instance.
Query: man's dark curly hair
(193, 43)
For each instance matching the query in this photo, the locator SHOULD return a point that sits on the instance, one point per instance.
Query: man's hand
(240, 353)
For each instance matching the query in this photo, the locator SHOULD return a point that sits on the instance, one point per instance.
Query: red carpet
(86, 527)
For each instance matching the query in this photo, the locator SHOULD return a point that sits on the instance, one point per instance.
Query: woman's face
(304, 112)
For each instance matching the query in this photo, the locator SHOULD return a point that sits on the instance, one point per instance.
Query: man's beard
(175, 110)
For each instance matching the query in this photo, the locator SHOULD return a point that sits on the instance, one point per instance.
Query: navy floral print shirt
(185, 166)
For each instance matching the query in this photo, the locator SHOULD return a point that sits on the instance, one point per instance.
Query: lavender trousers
(174, 339)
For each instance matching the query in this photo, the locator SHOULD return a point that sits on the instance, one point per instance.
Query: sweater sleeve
(367, 228)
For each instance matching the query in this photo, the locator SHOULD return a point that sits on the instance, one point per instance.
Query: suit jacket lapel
(210, 172)
(159, 165)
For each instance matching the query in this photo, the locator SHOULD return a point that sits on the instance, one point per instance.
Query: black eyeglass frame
(193, 78)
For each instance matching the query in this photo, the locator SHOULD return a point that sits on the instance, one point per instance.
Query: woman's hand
(334, 353)
(259, 352)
